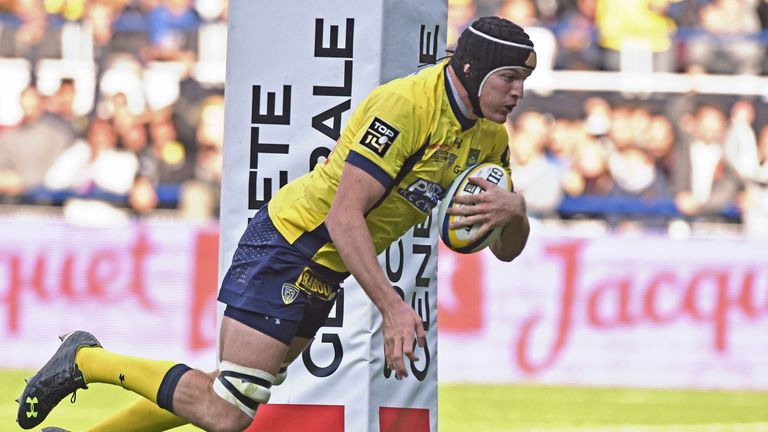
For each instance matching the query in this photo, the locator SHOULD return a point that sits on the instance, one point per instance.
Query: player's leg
(186, 392)
(142, 415)
(315, 314)
(80, 360)
(298, 344)
(145, 416)
(250, 360)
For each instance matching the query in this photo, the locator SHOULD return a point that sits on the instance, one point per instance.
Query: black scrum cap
(488, 45)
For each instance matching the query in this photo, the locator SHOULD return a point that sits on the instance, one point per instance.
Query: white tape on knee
(282, 374)
(243, 387)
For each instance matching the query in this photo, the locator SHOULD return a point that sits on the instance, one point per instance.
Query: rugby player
(402, 148)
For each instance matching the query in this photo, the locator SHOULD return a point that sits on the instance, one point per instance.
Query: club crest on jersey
(290, 292)
(379, 136)
(473, 157)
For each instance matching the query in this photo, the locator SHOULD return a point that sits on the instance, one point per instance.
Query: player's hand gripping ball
(457, 239)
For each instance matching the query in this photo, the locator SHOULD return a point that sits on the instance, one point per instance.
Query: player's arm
(357, 192)
(514, 234)
(496, 207)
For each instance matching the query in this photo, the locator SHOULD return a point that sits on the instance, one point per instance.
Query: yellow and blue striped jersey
(411, 136)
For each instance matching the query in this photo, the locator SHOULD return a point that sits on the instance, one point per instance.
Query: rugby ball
(457, 239)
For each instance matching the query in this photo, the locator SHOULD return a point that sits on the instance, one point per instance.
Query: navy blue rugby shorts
(274, 288)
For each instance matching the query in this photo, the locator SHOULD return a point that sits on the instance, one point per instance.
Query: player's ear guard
(243, 387)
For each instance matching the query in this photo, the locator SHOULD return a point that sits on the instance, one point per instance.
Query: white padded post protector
(295, 71)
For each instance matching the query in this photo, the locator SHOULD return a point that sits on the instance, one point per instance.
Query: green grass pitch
(491, 408)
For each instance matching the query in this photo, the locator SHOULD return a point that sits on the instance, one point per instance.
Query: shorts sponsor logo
(311, 284)
(290, 292)
(379, 136)
(423, 194)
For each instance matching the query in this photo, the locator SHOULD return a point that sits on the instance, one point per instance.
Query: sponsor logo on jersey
(439, 146)
(310, 283)
(379, 136)
(423, 194)
(444, 156)
(290, 292)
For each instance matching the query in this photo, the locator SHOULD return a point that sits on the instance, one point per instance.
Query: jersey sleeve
(384, 136)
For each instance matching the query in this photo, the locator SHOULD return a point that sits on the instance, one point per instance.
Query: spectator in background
(622, 132)
(576, 37)
(28, 149)
(99, 21)
(536, 177)
(172, 32)
(200, 195)
(61, 105)
(588, 173)
(754, 204)
(460, 14)
(562, 143)
(71, 10)
(123, 117)
(162, 160)
(522, 12)
(726, 47)
(28, 34)
(598, 113)
(173, 163)
(762, 15)
(740, 141)
(94, 165)
(636, 34)
(631, 166)
(120, 89)
(660, 143)
(636, 175)
(212, 10)
(142, 197)
(133, 137)
(705, 183)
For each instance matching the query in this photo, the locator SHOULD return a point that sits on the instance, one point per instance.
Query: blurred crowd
(658, 161)
(120, 103)
(711, 36)
(689, 158)
(112, 103)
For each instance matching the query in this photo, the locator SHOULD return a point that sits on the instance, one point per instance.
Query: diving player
(401, 149)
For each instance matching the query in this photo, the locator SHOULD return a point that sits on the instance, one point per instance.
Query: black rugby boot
(57, 379)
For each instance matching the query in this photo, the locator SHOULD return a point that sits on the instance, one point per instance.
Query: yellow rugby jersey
(411, 136)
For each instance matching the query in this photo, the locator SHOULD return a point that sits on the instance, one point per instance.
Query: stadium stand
(607, 129)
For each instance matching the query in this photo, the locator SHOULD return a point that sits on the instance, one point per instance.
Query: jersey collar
(456, 106)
